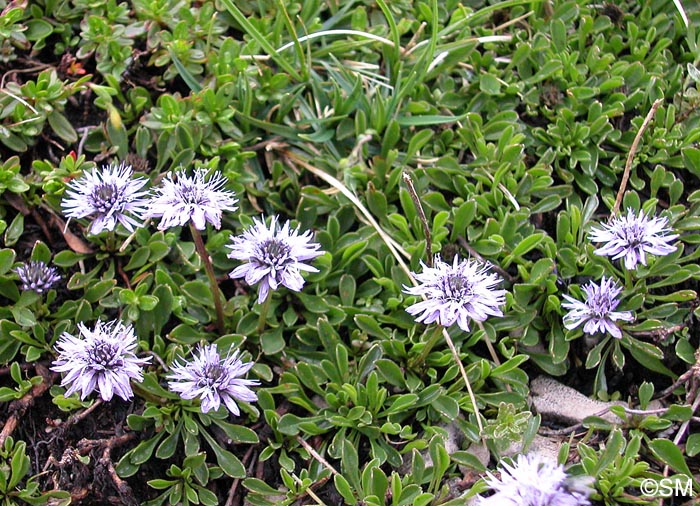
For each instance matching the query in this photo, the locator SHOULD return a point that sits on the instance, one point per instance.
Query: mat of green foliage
(514, 120)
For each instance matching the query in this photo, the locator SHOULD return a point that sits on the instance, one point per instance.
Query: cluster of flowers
(104, 358)
(466, 289)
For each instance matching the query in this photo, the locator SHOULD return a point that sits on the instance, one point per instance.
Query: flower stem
(628, 279)
(427, 347)
(421, 215)
(209, 268)
(264, 308)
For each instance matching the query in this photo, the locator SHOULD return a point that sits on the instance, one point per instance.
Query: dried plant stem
(463, 372)
(18, 408)
(209, 268)
(73, 419)
(352, 198)
(421, 215)
(487, 341)
(633, 151)
(316, 455)
(308, 491)
(687, 376)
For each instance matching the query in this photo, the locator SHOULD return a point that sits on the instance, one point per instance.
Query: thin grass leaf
(186, 75)
(298, 49)
(260, 39)
(681, 11)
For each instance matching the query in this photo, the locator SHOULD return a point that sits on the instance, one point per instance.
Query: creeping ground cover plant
(409, 253)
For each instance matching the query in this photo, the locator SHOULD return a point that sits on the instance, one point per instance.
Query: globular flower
(275, 256)
(456, 293)
(199, 198)
(533, 481)
(597, 313)
(213, 379)
(109, 196)
(633, 236)
(37, 276)
(102, 359)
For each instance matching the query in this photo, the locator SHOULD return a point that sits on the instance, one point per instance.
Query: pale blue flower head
(101, 359)
(37, 276)
(456, 293)
(109, 196)
(597, 313)
(274, 256)
(533, 481)
(213, 379)
(200, 198)
(634, 236)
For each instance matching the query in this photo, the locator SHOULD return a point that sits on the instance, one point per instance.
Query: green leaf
(272, 341)
(147, 302)
(646, 392)
(138, 258)
(199, 292)
(41, 253)
(391, 372)
(400, 403)
(169, 445)
(99, 290)
(62, 127)
(7, 258)
(38, 29)
(260, 487)
(528, 244)
(346, 289)
(343, 487)
(509, 365)
(15, 230)
(678, 413)
(67, 258)
(692, 445)
(670, 454)
(144, 450)
(162, 311)
(370, 325)
(446, 406)
(229, 463)
(490, 84)
(186, 75)
(691, 160)
(237, 433)
(429, 120)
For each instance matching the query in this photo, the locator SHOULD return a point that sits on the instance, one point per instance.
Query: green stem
(264, 308)
(427, 347)
(209, 268)
(628, 279)
(111, 242)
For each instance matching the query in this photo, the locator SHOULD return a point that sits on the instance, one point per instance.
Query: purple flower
(633, 236)
(533, 481)
(194, 198)
(37, 276)
(109, 196)
(213, 379)
(597, 313)
(275, 256)
(456, 293)
(102, 359)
